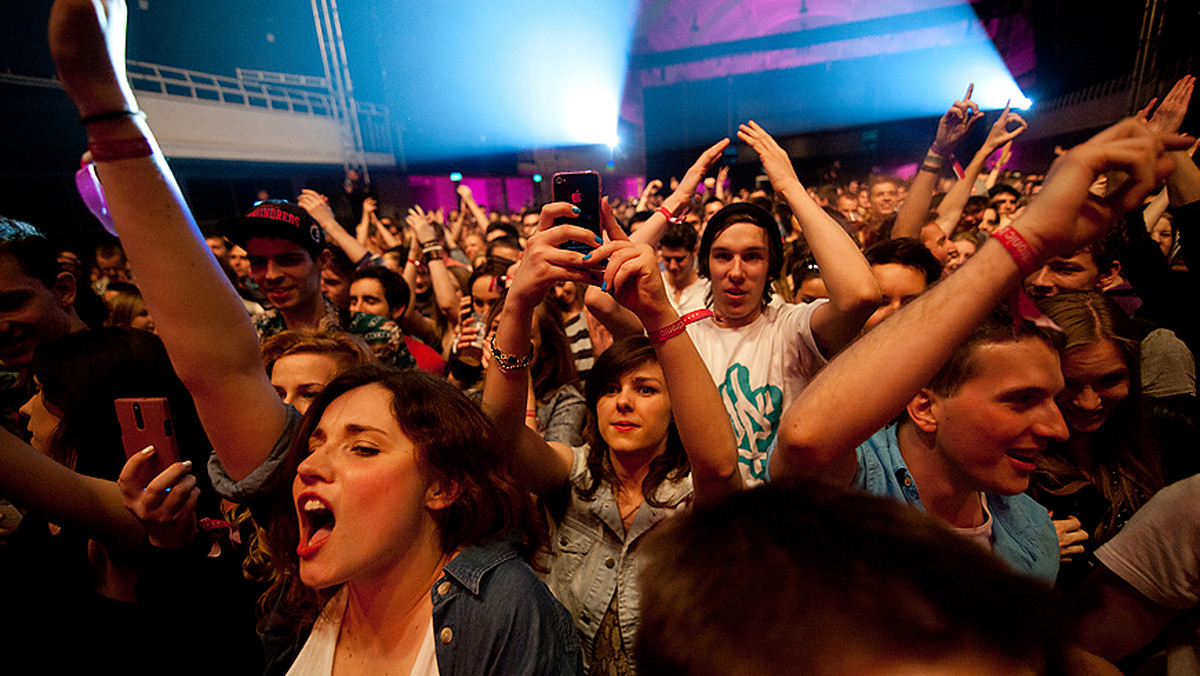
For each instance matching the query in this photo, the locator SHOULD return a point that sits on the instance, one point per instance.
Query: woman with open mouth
(397, 535)
(659, 436)
(1093, 482)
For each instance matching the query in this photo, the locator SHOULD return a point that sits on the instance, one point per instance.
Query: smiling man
(977, 389)
(286, 251)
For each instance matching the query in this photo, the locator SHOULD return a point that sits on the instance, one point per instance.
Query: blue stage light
(537, 178)
(520, 74)
(456, 176)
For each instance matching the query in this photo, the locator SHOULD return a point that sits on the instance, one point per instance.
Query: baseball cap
(276, 218)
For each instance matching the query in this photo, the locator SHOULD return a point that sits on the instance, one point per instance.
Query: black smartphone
(581, 189)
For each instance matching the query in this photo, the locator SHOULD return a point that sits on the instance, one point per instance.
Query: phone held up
(580, 189)
(147, 421)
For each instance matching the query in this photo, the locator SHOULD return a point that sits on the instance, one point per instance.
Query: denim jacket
(1022, 533)
(593, 555)
(491, 613)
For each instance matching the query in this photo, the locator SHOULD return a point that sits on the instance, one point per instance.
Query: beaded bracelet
(510, 362)
(662, 335)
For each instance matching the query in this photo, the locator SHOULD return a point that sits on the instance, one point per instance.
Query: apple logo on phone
(576, 198)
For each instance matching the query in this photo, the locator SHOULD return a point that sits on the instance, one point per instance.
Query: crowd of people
(946, 423)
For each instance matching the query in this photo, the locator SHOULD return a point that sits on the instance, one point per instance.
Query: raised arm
(633, 277)
(317, 206)
(853, 290)
(654, 227)
(643, 200)
(952, 128)
(537, 465)
(875, 378)
(950, 210)
(468, 203)
(199, 316)
(427, 234)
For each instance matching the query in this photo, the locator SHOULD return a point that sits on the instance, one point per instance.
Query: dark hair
(340, 262)
(492, 267)
(679, 236)
(554, 366)
(996, 328)
(395, 289)
(805, 269)
(905, 251)
(81, 374)
(1002, 188)
(623, 356)
(854, 579)
(508, 230)
(1121, 464)
(505, 242)
(743, 212)
(30, 248)
(456, 444)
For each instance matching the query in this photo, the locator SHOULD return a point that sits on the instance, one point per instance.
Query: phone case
(581, 189)
(147, 421)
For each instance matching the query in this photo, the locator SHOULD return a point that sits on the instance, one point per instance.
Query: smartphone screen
(581, 189)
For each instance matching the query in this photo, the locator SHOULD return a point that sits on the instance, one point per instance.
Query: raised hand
(164, 504)
(420, 224)
(1000, 134)
(316, 204)
(463, 192)
(774, 158)
(1169, 116)
(545, 263)
(691, 180)
(956, 123)
(1005, 155)
(1050, 222)
(87, 42)
(632, 275)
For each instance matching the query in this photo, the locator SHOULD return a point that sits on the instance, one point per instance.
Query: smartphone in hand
(580, 189)
(147, 421)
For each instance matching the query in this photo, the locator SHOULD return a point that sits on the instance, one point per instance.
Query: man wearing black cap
(286, 250)
(762, 355)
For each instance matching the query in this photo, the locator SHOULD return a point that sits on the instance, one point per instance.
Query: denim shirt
(594, 557)
(491, 613)
(1022, 533)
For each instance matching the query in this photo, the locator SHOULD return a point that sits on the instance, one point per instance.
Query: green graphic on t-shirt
(755, 416)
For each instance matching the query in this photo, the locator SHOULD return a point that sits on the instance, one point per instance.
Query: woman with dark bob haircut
(659, 437)
(379, 529)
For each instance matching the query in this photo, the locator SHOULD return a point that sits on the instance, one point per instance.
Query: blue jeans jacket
(594, 556)
(1022, 533)
(491, 613)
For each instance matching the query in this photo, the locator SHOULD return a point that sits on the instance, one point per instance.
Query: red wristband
(121, 149)
(1022, 254)
(660, 336)
(667, 213)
